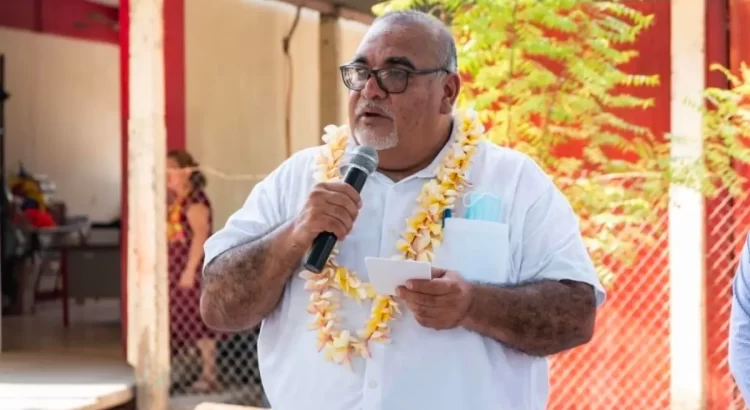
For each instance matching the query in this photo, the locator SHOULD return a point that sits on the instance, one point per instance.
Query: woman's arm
(197, 216)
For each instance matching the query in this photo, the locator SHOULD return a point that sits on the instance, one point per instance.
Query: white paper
(388, 274)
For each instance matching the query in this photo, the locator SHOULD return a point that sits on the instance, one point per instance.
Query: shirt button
(373, 385)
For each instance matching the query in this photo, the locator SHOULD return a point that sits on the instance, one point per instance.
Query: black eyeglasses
(391, 80)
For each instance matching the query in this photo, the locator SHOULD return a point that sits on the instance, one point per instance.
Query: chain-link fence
(229, 362)
(206, 366)
(728, 222)
(627, 365)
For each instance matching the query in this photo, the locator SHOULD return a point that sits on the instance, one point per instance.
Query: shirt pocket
(478, 250)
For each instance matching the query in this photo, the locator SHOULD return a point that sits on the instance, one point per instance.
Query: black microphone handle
(325, 241)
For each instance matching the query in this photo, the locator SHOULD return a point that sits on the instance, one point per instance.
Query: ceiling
(363, 6)
(110, 3)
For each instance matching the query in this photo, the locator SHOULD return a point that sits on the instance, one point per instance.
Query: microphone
(364, 162)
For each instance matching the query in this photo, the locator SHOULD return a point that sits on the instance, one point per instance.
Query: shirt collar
(429, 171)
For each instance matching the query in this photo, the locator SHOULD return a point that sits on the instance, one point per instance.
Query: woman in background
(189, 224)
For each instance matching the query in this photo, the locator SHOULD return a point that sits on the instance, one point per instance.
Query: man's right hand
(330, 207)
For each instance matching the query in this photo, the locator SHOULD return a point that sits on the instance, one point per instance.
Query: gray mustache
(371, 106)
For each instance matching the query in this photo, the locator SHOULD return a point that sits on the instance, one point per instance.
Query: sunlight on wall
(63, 117)
(236, 90)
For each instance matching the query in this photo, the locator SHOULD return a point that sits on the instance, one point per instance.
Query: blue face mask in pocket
(483, 206)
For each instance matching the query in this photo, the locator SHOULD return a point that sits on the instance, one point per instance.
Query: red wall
(719, 237)
(174, 67)
(740, 52)
(728, 219)
(70, 18)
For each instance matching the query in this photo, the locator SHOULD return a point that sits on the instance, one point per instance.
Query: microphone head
(365, 158)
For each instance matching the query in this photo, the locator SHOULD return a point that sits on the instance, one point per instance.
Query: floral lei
(174, 223)
(422, 235)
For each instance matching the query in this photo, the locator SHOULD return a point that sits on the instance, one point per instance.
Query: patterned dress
(186, 325)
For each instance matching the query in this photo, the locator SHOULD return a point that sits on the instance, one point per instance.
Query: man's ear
(451, 88)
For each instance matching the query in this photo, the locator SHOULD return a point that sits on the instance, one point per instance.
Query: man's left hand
(440, 303)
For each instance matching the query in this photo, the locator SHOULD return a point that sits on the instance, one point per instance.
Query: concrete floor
(44, 366)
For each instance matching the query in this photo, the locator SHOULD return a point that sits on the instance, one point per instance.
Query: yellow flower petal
(403, 246)
(423, 240)
(424, 257)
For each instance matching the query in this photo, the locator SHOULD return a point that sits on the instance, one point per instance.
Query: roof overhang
(359, 10)
(109, 3)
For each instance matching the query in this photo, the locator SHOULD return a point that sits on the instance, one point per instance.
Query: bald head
(438, 36)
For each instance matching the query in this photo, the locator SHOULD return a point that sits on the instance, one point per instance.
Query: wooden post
(687, 211)
(148, 318)
(3, 96)
(330, 78)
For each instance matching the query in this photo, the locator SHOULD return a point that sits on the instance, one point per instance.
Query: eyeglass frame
(374, 72)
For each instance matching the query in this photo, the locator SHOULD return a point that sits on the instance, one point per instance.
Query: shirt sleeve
(552, 246)
(260, 213)
(739, 325)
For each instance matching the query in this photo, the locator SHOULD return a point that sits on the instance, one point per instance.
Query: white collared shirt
(537, 237)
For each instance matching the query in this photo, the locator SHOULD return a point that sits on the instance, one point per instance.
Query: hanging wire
(289, 84)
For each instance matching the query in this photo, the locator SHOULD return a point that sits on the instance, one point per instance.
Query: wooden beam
(330, 78)
(148, 327)
(124, 115)
(4, 95)
(325, 7)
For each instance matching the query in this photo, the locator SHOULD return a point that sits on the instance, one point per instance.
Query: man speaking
(511, 279)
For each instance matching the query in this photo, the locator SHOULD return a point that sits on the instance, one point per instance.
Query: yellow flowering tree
(547, 78)
(726, 129)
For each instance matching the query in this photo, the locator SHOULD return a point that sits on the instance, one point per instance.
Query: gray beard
(379, 143)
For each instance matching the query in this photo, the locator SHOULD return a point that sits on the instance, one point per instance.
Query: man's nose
(372, 90)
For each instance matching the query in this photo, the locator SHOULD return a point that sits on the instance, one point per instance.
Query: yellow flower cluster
(422, 235)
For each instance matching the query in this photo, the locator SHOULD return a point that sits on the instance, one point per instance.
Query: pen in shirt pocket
(446, 214)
